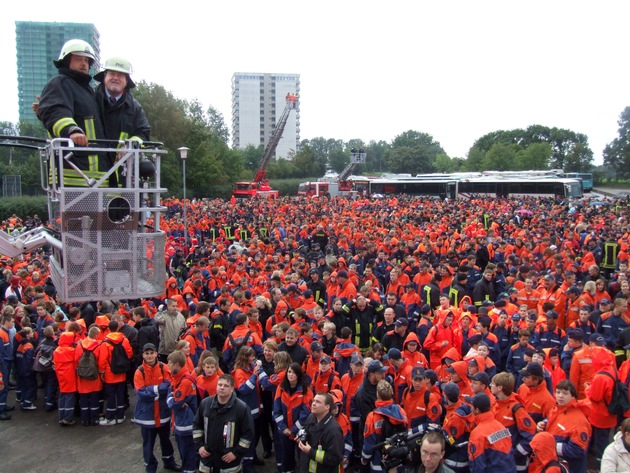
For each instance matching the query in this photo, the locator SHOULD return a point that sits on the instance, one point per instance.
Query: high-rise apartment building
(37, 44)
(258, 100)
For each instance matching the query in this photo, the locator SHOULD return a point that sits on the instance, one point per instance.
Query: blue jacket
(152, 386)
(373, 432)
(182, 399)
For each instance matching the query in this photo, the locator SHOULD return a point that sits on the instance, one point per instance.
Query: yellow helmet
(118, 64)
(78, 47)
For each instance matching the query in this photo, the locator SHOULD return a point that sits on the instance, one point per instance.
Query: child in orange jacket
(65, 367)
(89, 389)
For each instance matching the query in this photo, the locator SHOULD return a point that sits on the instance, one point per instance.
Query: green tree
(217, 125)
(535, 156)
(412, 152)
(501, 157)
(251, 156)
(375, 151)
(339, 159)
(617, 152)
(322, 149)
(304, 164)
(565, 145)
(166, 114)
(444, 164)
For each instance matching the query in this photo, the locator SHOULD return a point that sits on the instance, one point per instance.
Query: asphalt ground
(34, 442)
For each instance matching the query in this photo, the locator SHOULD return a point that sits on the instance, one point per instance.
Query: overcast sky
(372, 70)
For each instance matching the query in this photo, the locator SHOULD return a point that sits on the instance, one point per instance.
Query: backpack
(87, 368)
(120, 363)
(43, 359)
(160, 364)
(388, 429)
(619, 402)
(236, 347)
(562, 464)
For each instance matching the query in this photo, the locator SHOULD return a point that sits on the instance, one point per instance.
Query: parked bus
(443, 188)
(586, 177)
(504, 186)
(496, 186)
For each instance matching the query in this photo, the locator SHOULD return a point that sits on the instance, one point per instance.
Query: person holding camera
(223, 429)
(432, 448)
(382, 423)
(321, 440)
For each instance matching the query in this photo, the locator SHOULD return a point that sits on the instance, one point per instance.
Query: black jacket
(125, 119)
(68, 105)
(222, 429)
(326, 441)
(297, 352)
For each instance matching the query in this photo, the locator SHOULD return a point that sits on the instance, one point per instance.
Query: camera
(404, 447)
(302, 435)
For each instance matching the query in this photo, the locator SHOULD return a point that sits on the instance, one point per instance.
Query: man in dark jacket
(68, 109)
(223, 429)
(364, 401)
(123, 116)
(322, 445)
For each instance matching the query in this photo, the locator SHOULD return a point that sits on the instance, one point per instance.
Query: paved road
(33, 442)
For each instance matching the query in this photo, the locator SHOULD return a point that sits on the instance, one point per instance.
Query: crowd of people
(335, 332)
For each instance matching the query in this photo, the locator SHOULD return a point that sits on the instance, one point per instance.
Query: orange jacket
(572, 433)
(581, 371)
(543, 446)
(104, 357)
(65, 365)
(433, 343)
(349, 386)
(537, 401)
(601, 389)
(85, 386)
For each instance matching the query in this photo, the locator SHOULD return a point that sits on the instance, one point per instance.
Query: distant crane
(260, 185)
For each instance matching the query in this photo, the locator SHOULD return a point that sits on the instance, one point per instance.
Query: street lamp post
(183, 152)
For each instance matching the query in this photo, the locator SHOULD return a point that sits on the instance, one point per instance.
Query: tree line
(213, 163)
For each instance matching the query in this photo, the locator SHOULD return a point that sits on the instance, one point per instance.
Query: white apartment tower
(258, 100)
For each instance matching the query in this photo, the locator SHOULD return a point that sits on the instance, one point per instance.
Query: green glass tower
(37, 44)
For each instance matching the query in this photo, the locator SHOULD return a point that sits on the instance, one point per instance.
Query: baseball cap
(325, 359)
(425, 309)
(148, 347)
(480, 376)
(500, 303)
(401, 321)
(481, 401)
(573, 290)
(597, 339)
(487, 303)
(552, 314)
(605, 301)
(376, 366)
(393, 354)
(316, 346)
(356, 359)
(417, 373)
(533, 369)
